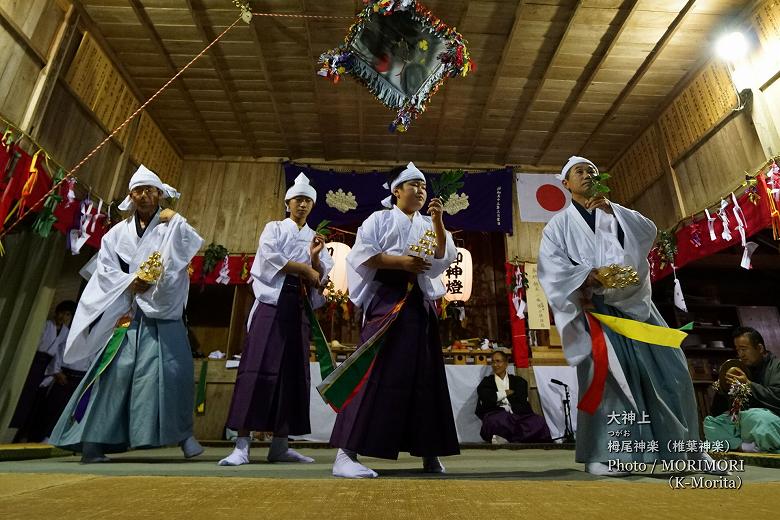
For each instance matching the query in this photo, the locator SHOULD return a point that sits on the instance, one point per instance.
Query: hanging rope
(132, 116)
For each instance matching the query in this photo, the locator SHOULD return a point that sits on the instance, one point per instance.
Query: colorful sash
(338, 388)
(631, 329)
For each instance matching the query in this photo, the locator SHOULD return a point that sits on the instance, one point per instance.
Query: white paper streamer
(711, 225)
(750, 248)
(224, 272)
(679, 299)
(724, 217)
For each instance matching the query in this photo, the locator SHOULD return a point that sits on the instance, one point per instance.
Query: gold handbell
(615, 276)
(151, 270)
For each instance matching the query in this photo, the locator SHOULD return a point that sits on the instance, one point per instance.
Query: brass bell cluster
(615, 276)
(151, 269)
(424, 246)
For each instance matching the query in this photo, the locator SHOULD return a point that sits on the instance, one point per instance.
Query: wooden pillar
(47, 78)
(669, 175)
(763, 117)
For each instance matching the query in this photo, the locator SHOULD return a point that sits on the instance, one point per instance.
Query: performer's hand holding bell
(735, 374)
(414, 264)
(139, 286)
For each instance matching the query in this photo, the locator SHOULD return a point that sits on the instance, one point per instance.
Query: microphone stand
(568, 434)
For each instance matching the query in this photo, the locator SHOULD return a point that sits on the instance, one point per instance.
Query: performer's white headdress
(143, 176)
(571, 162)
(301, 188)
(411, 173)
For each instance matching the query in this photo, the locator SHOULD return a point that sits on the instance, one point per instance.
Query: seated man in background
(47, 362)
(502, 404)
(757, 427)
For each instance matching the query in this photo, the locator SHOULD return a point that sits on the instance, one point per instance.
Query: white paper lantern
(338, 274)
(458, 277)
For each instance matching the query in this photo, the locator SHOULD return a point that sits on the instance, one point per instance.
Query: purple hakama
(522, 427)
(404, 406)
(272, 386)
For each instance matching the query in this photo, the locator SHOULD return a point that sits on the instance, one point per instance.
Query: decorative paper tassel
(224, 272)
(679, 299)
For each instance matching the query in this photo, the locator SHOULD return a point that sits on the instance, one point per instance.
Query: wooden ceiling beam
(256, 37)
(626, 12)
(640, 73)
(464, 8)
(515, 132)
(91, 27)
(154, 36)
(207, 34)
(315, 80)
(496, 79)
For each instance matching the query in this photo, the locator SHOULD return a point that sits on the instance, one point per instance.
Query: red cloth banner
(517, 325)
(757, 217)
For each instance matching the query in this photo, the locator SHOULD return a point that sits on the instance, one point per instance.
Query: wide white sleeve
(367, 242)
(639, 233)
(270, 258)
(104, 300)
(166, 299)
(326, 261)
(561, 280)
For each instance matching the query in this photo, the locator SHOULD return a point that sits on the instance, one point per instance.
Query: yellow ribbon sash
(644, 332)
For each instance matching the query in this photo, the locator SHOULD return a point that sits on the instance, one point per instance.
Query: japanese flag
(540, 196)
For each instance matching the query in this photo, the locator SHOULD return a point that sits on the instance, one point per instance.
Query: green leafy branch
(447, 184)
(322, 228)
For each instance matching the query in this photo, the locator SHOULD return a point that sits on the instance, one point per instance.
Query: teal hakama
(660, 386)
(143, 399)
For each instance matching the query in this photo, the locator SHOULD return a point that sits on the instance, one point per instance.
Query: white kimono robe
(282, 242)
(107, 295)
(644, 379)
(53, 344)
(570, 250)
(392, 232)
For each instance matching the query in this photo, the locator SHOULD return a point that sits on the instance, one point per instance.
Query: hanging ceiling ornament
(402, 53)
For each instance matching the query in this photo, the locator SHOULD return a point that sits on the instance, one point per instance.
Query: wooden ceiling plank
(641, 71)
(89, 24)
(499, 74)
(539, 89)
(629, 7)
(143, 18)
(207, 34)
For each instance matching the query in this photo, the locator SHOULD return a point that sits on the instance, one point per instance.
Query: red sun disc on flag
(550, 197)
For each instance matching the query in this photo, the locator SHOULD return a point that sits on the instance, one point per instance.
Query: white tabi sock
(433, 465)
(749, 447)
(240, 454)
(191, 447)
(280, 452)
(602, 470)
(347, 466)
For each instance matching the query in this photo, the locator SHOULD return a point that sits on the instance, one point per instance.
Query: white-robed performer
(648, 390)
(141, 393)
(273, 381)
(404, 403)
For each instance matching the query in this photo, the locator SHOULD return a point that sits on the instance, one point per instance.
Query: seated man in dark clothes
(502, 404)
(757, 426)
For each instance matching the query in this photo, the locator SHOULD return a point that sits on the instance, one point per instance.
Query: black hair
(506, 356)
(752, 334)
(66, 306)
